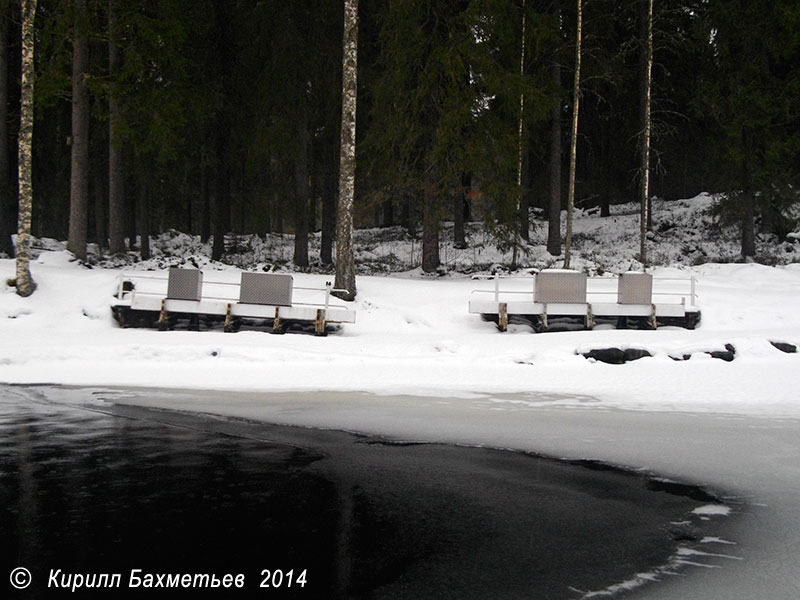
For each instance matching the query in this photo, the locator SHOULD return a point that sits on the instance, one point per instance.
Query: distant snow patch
(712, 510)
(716, 540)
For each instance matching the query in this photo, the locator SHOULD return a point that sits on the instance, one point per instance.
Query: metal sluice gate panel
(567, 287)
(274, 289)
(185, 284)
(635, 288)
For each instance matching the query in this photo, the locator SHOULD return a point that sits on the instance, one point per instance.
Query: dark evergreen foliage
(229, 114)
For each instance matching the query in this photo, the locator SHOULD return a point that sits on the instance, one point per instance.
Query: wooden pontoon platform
(182, 294)
(555, 298)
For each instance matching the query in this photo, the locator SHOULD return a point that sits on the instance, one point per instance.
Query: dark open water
(98, 488)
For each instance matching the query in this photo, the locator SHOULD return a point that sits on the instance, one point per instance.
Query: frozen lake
(419, 520)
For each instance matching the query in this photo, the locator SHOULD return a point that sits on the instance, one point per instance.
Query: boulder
(784, 347)
(611, 356)
(728, 354)
(635, 354)
(616, 356)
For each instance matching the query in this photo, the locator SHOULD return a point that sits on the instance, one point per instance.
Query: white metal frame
(671, 297)
(227, 304)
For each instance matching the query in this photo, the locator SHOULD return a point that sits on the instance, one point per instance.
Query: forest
(216, 117)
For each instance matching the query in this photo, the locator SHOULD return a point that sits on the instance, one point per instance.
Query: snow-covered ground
(415, 336)
(432, 371)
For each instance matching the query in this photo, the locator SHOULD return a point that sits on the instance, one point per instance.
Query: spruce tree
(752, 91)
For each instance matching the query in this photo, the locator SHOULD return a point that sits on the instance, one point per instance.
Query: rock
(784, 347)
(616, 356)
(611, 356)
(727, 355)
(722, 354)
(635, 354)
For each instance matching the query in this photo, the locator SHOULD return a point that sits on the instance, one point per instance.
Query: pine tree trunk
(143, 219)
(205, 201)
(748, 201)
(345, 257)
(387, 213)
(222, 194)
(525, 201)
(328, 217)
(554, 206)
(130, 221)
(101, 234)
(312, 194)
(646, 23)
(748, 226)
(6, 212)
(79, 177)
(221, 200)
(25, 283)
(576, 90)
(605, 170)
(430, 230)
(116, 198)
(301, 185)
(406, 216)
(459, 203)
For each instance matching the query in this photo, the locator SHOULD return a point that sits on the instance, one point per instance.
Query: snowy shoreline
(414, 336)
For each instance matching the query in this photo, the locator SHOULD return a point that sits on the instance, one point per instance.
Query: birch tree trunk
(6, 213)
(647, 79)
(116, 199)
(520, 151)
(345, 259)
(25, 283)
(79, 178)
(576, 90)
(554, 207)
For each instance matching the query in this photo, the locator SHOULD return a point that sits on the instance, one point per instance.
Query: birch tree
(523, 221)
(24, 282)
(79, 177)
(647, 80)
(6, 213)
(345, 259)
(576, 90)
(554, 206)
